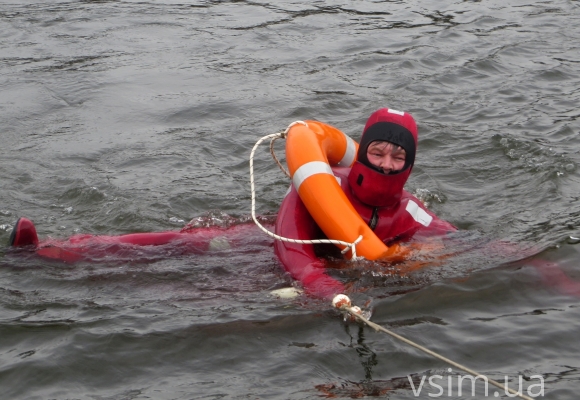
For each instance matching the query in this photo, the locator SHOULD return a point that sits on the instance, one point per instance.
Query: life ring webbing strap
(349, 154)
(309, 169)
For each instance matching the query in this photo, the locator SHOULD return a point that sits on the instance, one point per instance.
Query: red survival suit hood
(369, 184)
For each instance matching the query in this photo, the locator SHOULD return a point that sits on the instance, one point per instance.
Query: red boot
(23, 234)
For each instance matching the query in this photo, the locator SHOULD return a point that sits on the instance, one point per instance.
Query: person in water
(374, 186)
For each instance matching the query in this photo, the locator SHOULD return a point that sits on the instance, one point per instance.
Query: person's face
(386, 156)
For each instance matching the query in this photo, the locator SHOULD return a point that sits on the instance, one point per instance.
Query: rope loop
(352, 247)
(292, 124)
(282, 135)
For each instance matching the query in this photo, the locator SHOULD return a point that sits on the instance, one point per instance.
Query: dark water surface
(136, 116)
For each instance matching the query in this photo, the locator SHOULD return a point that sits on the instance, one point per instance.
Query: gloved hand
(416, 255)
(317, 283)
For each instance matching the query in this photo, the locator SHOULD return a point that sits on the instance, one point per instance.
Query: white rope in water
(342, 302)
(282, 135)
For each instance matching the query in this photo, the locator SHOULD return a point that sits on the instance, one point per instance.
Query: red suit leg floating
(92, 247)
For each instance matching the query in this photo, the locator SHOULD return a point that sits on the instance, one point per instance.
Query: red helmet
(368, 183)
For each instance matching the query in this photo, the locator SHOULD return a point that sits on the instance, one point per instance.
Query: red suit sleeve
(300, 260)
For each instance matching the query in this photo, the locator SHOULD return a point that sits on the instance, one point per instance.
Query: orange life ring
(310, 152)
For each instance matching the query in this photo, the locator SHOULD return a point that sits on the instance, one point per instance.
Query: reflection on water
(124, 116)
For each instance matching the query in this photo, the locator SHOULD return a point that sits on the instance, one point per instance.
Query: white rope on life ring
(273, 137)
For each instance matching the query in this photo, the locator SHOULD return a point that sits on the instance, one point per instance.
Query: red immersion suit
(391, 212)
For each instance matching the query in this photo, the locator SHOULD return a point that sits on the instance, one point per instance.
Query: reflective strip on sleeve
(309, 169)
(349, 154)
(418, 213)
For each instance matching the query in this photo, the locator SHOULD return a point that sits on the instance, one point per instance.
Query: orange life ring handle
(311, 150)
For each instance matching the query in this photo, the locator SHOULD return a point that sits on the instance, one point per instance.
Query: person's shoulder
(407, 197)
